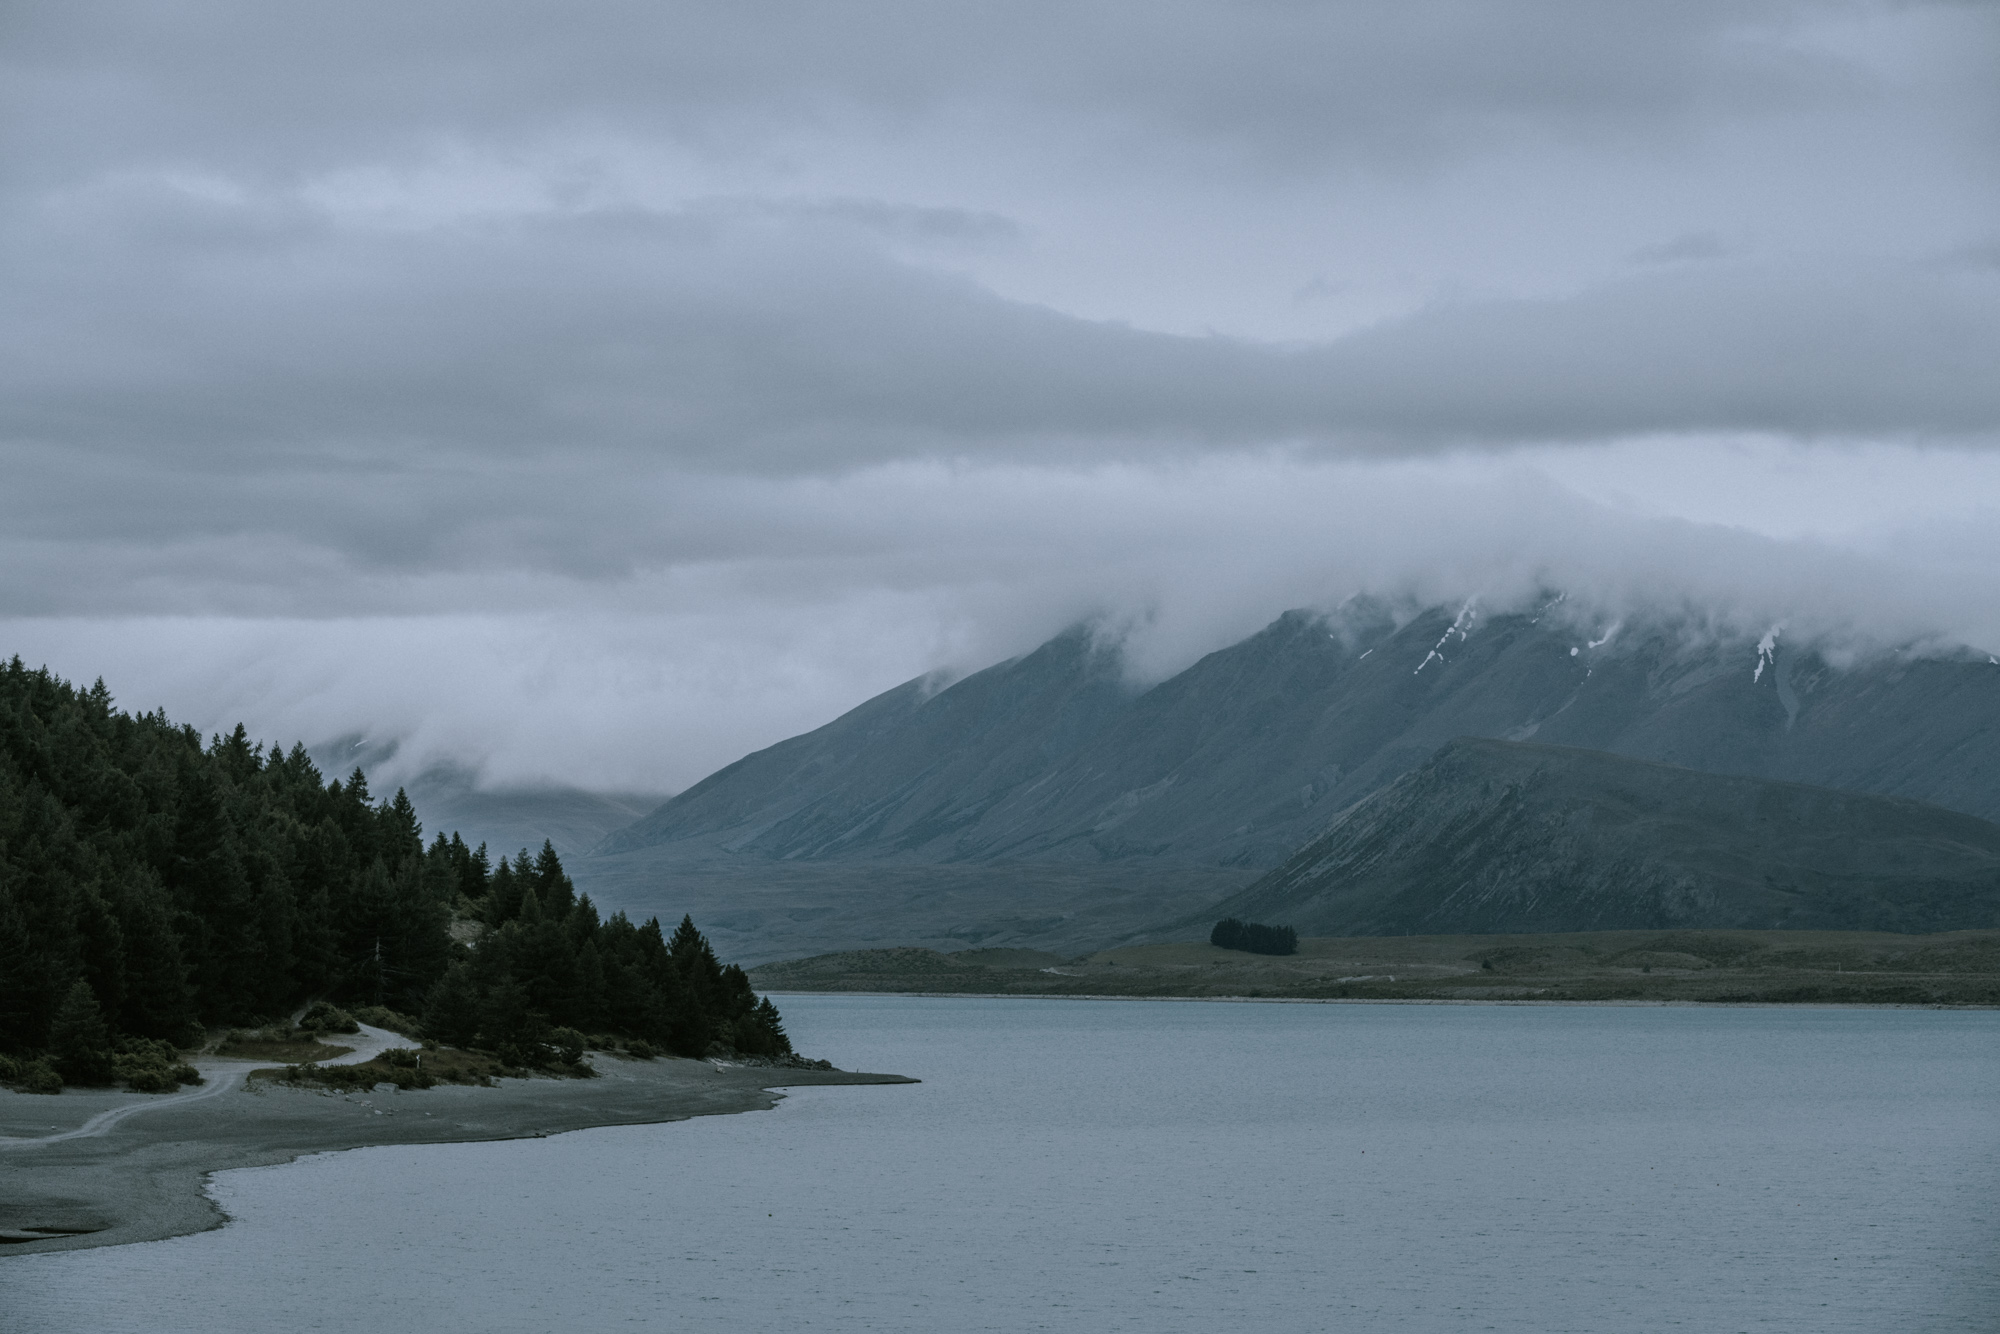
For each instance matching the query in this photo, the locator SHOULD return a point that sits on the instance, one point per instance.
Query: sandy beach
(103, 1168)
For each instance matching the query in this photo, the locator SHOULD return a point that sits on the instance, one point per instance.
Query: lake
(1159, 1166)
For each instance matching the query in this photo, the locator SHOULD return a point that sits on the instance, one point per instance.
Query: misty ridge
(648, 686)
(1376, 679)
(1673, 618)
(1051, 800)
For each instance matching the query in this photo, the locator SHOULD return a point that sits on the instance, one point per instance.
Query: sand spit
(93, 1168)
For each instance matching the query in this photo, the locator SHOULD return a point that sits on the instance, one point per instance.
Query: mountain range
(1051, 801)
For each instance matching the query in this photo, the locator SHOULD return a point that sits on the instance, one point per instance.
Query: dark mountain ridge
(1498, 837)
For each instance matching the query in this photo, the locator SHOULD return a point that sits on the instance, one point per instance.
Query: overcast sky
(593, 392)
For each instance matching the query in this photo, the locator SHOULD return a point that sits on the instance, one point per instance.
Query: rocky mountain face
(1493, 837)
(1239, 759)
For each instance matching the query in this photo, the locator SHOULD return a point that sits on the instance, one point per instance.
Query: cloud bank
(593, 395)
(729, 640)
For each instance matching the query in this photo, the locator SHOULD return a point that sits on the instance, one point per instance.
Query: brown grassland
(1952, 968)
(270, 1044)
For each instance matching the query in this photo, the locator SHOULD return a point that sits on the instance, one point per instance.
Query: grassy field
(274, 1044)
(1953, 968)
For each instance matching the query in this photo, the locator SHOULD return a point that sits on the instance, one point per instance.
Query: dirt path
(368, 1044)
(218, 1078)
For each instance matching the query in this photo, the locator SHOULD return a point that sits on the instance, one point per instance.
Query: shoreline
(90, 1168)
(1774, 967)
(1630, 1002)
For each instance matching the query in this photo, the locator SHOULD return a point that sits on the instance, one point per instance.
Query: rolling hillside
(1493, 836)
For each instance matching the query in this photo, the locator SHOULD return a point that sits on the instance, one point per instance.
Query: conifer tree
(21, 987)
(158, 1001)
(79, 1038)
(402, 832)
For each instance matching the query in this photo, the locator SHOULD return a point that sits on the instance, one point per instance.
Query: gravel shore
(72, 1176)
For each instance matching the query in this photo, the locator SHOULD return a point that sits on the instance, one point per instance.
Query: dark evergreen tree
(402, 833)
(452, 1014)
(79, 1038)
(765, 1035)
(158, 1001)
(22, 998)
(100, 949)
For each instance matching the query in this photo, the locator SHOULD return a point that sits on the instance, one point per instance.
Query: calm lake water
(1077, 1165)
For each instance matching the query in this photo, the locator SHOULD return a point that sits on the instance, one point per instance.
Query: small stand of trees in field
(1232, 934)
(152, 886)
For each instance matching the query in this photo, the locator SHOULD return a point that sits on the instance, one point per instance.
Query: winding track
(219, 1077)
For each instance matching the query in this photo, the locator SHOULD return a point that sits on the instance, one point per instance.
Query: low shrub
(1253, 937)
(789, 1061)
(157, 1050)
(566, 1045)
(325, 1017)
(152, 1079)
(38, 1076)
(403, 1068)
(149, 1065)
(641, 1050)
(359, 1076)
(381, 1016)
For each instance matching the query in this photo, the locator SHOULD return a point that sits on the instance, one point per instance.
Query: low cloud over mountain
(594, 396)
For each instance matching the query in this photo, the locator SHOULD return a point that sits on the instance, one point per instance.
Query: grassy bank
(1954, 968)
(405, 1069)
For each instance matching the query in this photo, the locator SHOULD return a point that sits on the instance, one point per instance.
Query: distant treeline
(1232, 934)
(151, 885)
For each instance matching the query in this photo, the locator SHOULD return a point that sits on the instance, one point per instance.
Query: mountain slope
(905, 772)
(1492, 836)
(1240, 758)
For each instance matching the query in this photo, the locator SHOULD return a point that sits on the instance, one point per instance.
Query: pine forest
(153, 887)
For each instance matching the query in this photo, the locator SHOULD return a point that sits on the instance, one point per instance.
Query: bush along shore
(1253, 937)
(434, 1064)
(155, 888)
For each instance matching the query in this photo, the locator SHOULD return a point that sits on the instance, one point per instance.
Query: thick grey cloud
(440, 367)
(722, 342)
(296, 87)
(194, 271)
